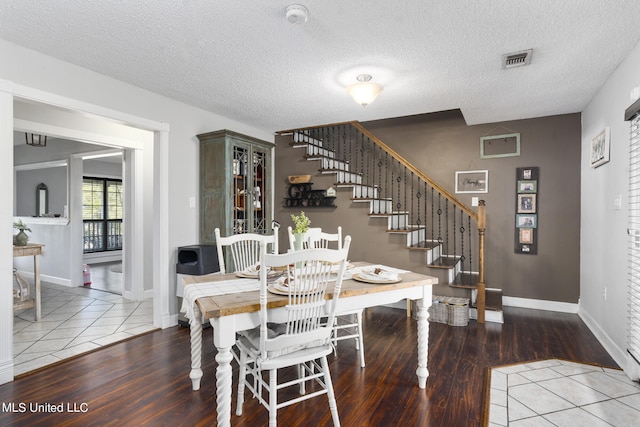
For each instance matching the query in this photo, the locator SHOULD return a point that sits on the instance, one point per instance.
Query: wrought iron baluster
(470, 246)
(446, 224)
(439, 211)
(455, 241)
(462, 256)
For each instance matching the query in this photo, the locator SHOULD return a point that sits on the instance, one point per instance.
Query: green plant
(301, 223)
(19, 225)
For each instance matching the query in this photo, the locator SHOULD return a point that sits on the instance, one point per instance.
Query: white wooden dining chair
(300, 336)
(347, 325)
(244, 249)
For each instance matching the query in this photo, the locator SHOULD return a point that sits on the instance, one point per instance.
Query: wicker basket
(451, 310)
(459, 314)
(438, 312)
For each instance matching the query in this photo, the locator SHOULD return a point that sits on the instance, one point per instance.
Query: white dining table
(231, 312)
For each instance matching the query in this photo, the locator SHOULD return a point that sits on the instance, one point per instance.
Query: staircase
(431, 218)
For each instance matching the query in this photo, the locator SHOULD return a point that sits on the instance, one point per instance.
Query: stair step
(424, 246)
(465, 281)
(492, 300)
(404, 230)
(445, 262)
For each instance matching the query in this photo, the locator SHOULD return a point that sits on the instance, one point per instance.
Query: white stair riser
(397, 221)
(434, 254)
(364, 192)
(312, 150)
(415, 237)
(381, 207)
(334, 164)
(489, 315)
(304, 139)
(347, 178)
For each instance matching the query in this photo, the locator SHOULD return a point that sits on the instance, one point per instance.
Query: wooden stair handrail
(398, 157)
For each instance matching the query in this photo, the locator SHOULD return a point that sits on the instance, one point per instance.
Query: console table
(34, 250)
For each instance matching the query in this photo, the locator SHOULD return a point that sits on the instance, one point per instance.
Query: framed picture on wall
(525, 235)
(600, 148)
(526, 203)
(526, 221)
(472, 181)
(527, 186)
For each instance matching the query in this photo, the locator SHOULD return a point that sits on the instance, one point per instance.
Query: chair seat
(286, 359)
(250, 340)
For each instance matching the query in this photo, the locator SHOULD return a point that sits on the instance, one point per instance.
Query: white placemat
(208, 289)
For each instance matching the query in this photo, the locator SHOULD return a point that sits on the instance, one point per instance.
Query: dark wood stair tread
(465, 281)
(424, 246)
(493, 300)
(445, 262)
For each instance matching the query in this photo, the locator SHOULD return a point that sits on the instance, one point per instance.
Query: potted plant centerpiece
(301, 226)
(21, 238)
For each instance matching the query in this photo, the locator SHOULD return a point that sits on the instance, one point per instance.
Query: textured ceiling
(243, 60)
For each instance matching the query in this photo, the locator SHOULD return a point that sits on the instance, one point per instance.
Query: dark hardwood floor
(144, 381)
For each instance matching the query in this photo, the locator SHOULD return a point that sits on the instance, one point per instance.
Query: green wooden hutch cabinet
(235, 184)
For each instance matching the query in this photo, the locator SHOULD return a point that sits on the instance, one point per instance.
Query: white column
(6, 233)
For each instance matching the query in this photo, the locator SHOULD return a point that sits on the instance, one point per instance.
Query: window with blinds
(633, 333)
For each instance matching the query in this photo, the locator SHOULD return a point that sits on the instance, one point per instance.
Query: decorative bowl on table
(299, 179)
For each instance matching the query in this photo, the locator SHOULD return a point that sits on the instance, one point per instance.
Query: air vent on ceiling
(517, 59)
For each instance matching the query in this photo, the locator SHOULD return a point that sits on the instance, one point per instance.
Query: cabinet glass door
(259, 191)
(240, 188)
(250, 190)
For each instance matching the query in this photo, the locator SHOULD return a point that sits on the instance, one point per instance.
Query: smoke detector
(297, 14)
(517, 59)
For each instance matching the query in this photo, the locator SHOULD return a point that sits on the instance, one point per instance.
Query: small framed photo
(600, 148)
(472, 181)
(527, 186)
(526, 203)
(526, 221)
(525, 235)
(526, 174)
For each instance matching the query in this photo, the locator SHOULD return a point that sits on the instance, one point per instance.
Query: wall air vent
(517, 59)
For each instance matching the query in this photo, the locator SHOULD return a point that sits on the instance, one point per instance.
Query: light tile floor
(561, 393)
(74, 321)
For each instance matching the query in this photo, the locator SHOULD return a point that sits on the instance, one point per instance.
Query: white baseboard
(489, 315)
(6, 372)
(99, 257)
(45, 278)
(537, 304)
(622, 358)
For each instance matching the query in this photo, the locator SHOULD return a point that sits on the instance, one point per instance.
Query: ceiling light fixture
(35, 140)
(297, 14)
(364, 92)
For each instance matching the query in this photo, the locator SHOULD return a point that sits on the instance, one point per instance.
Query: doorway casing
(148, 257)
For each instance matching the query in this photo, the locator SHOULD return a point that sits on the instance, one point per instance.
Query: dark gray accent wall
(441, 144)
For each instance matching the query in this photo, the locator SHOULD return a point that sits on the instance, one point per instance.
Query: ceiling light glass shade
(364, 92)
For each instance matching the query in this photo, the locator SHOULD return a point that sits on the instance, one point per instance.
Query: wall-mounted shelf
(303, 195)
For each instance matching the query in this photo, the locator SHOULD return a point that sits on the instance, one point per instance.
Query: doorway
(146, 162)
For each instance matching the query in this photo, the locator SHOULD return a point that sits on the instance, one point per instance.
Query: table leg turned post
(195, 324)
(423, 343)
(223, 386)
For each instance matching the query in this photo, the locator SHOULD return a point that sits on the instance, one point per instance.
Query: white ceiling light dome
(365, 91)
(297, 14)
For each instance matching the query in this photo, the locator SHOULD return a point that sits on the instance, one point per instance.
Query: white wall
(603, 228)
(78, 84)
